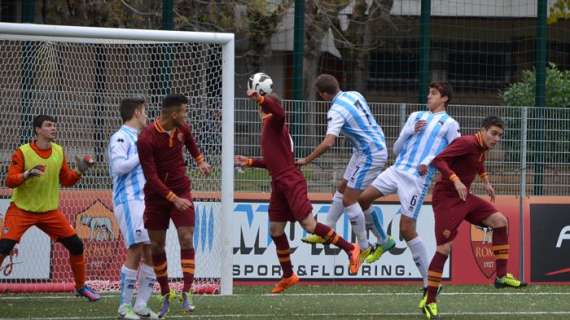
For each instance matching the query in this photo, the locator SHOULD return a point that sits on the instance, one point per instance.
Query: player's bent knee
(157, 247)
(6, 246)
(309, 224)
(186, 241)
(73, 244)
(501, 220)
(341, 186)
(408, 228)
(444, 249)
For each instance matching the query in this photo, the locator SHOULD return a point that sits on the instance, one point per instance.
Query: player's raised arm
(67, 176)
(17, 173)
(335, 121)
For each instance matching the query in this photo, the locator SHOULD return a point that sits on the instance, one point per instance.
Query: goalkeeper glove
(84, 163)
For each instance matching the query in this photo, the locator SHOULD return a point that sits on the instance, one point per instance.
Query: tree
(559, 10)
(557, 89)
(254, 22)
(546, 138)
(354, 25)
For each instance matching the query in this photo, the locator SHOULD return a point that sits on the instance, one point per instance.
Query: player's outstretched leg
(335, 211)
(384, 242)
(351, 249)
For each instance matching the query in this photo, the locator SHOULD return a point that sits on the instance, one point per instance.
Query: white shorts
(410, 189)
(362, 169)
(129, 216)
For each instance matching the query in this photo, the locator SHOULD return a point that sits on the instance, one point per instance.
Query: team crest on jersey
(482, 248)
(180, 137)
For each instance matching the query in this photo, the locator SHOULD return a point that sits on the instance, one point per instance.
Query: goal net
(79, 75)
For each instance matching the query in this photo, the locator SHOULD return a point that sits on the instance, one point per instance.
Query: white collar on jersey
(131, 129)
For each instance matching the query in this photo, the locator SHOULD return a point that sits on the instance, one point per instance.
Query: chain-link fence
(534, 155)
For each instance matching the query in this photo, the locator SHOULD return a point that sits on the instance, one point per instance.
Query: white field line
(339, 294)
(305, 315)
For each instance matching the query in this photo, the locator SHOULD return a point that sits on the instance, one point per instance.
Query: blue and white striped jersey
(351, 116)
(124, 166)
(416, 148)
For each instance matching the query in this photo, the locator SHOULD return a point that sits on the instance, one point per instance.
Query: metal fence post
(540, 94)
(402, 115)
(522, 191)
(425, 38)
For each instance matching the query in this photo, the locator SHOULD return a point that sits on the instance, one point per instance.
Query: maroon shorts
(289, 200)
(450, 211)
(158, 211)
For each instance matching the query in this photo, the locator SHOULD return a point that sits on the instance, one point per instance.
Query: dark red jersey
(464, 159)
(162, 160)
(276, 142)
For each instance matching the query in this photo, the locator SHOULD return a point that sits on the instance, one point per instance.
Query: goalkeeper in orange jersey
(35, 173)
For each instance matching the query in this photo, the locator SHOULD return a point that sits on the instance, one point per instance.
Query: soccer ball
(261, 83)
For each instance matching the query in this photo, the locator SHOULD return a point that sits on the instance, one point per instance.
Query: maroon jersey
(276, 143)
(162, 161)
(462, 159)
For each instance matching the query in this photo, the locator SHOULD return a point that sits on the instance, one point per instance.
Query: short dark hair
(444, 89)
(40, 119)
(173, 100)
(327, 83)
(493, 121)
(129, 105)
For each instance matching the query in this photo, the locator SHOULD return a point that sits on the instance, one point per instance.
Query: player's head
(439, 95)
(327, 86)
(133, 111)
(175, 109)
(44, 127)
(492, 129)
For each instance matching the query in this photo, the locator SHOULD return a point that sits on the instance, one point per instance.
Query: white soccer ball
(261, 83)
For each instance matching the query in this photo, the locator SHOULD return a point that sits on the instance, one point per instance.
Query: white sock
(419, 253)
(335, 211)
(128, 284)
(356, 217)
(375, 227)
(146, 284)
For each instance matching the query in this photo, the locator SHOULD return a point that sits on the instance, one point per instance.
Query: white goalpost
(79, 75)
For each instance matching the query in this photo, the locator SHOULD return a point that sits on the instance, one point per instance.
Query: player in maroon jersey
(167, 192)
(459, 164)
(289, 201)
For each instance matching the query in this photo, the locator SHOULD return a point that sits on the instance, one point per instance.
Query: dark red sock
(501, 250)
(283, 254)
(187, 261)
(332, 237)
(161, 271)
(434, 275)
